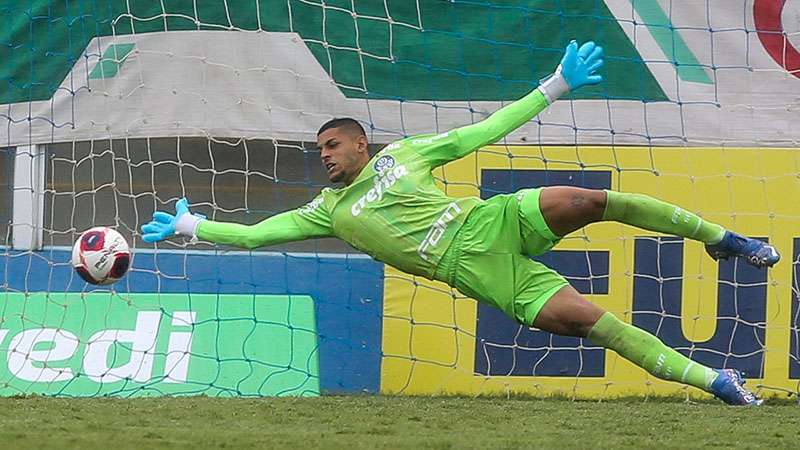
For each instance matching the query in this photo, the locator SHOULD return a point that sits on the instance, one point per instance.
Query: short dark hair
(347, 123)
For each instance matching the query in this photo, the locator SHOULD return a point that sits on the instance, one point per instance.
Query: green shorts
(489, 258)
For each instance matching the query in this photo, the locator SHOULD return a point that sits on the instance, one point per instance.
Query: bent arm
(280, 228)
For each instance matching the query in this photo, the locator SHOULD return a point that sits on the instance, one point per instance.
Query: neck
(349, 180)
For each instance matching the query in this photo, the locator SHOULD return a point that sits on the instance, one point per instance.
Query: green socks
(634, 344)
(649, 353)
(654, 215)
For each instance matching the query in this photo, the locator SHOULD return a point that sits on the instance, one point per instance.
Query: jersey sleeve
(443, 148)
(309, 221)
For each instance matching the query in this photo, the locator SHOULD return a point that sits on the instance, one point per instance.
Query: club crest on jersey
(383, 163)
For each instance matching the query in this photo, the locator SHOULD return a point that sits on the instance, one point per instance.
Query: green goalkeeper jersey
(393, 210)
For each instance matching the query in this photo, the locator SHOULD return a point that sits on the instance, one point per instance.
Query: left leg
(568, 313)
(566, 209)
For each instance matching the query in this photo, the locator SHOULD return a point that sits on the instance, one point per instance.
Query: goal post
(113, 110)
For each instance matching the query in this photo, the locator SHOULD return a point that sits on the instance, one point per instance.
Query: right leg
(569, 313)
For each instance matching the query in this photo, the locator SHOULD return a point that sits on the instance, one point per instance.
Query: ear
(362, 144)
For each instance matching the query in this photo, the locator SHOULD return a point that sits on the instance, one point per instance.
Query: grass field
(390, 422)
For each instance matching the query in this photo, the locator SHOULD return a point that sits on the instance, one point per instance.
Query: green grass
(390, 422)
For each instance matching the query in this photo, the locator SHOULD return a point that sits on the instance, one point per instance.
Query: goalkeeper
(391, 209)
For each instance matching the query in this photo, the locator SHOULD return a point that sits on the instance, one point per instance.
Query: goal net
(112, 110)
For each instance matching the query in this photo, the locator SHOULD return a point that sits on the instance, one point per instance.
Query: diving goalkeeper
(391, 209)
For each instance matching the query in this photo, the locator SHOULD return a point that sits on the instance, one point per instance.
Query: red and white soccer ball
(101, 255)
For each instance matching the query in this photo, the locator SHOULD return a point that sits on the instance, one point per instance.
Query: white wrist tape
(187, 225)
(554, 87)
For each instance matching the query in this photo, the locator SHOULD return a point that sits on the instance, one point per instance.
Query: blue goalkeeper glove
(165, 225)
(578, 68)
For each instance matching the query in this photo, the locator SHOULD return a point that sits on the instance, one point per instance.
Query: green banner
(76, 344)
(430, 50)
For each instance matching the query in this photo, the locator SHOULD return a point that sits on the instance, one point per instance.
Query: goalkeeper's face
(343, 152)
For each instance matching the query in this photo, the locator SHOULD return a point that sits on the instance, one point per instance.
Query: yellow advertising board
(435, 340)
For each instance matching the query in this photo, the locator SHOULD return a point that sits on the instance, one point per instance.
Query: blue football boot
(729, 388)
(755, 252)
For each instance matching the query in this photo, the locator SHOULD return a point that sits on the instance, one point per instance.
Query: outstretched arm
(274, 230)
(295, 225)
(499, 124)
(578, 68)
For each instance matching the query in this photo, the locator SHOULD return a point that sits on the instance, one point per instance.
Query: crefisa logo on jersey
(383, 163)
(388, 174)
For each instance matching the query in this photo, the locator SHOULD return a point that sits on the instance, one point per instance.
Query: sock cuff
(611, 197)
(606, 328)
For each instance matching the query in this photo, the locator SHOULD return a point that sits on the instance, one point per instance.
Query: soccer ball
(101, 255)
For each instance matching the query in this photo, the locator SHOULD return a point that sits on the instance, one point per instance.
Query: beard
(336, 176)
